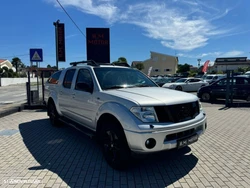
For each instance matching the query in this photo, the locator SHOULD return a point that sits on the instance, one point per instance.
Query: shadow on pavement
(78, 160)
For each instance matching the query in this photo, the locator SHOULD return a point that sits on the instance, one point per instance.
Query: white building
(6, 63)
(230, 63)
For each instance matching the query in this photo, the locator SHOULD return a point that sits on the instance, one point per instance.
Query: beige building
(231, 63)
(161, 64)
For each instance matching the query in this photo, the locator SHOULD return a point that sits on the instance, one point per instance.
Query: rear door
(65, 92)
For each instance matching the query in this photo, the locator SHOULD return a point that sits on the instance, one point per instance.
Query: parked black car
(240, 87)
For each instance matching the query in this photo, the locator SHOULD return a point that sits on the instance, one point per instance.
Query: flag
(149, 70)
(205, 66)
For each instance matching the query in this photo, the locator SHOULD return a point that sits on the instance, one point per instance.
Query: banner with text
(61, 42)
(98, 45)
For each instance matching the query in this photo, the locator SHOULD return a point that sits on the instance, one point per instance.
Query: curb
(11, 110)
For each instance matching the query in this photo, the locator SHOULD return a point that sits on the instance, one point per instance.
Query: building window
(156, 70)
(167, 70)
(155, 58)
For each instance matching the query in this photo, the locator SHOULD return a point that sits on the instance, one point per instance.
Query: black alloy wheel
(179, 88)
(205, 97)
(115, 147)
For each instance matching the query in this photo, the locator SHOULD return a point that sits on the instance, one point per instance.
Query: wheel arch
(51, 100)
(107, 117)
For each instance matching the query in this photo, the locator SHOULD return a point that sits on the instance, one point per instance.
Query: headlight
(145, 114)
(171, 86)
(200, 106)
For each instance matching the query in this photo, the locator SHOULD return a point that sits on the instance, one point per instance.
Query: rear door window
(54, 78)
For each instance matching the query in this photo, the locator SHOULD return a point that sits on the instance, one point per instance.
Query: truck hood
(152, 96)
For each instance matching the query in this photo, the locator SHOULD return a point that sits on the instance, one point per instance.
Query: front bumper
(165, 139)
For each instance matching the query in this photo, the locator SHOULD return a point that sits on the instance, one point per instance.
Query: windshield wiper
(142, 85)
(115, 87)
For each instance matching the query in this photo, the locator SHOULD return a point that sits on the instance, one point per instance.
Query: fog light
(150, 143)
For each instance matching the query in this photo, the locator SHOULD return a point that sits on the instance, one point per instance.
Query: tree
(122, 59)
(48, 66)
(16, 62)
(183, 68)
(139, 66)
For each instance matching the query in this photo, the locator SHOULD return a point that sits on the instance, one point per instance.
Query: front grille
(183, 134)
(177, 113)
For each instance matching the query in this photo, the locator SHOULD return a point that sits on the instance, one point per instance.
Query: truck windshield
(116, 78)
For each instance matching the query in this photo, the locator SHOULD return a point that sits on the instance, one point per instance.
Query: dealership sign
(98, 45)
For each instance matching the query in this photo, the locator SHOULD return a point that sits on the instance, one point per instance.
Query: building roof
(2, 60)
(231, 61)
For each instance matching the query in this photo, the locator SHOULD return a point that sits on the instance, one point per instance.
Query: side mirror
(84, 87)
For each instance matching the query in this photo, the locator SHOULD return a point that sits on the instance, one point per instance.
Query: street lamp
(199, 62)
(56, 37)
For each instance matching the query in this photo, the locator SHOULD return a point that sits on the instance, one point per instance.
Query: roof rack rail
(88, 62)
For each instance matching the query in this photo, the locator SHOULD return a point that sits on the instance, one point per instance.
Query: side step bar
(79, 127)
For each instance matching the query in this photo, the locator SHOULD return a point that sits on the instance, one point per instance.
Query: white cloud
(233, 53)
(180, 25)
(102, 8)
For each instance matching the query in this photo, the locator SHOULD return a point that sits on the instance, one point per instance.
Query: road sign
(36, 55)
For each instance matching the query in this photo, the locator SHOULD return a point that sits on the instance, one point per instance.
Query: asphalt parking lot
(35, 154)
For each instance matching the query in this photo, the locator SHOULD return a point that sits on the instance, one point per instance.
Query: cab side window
(84, 81)
(68, 78)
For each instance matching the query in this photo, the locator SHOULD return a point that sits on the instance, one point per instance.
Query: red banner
(205, 66)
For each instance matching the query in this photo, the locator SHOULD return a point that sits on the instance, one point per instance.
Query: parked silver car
(124, 109)
(186, 84)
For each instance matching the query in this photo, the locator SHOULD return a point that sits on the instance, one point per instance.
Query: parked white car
(186, 84)
(211, 78)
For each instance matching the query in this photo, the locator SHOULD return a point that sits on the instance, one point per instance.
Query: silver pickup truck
(124, 109)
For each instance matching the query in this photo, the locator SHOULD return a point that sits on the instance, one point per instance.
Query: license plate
(187, 141)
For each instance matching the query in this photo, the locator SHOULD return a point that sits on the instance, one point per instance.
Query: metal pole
(28, 89)
(42, 76)
(37, 78)
(56, 39)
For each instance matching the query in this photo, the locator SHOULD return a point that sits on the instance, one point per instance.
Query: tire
(53, 115)
(114, 146)
(205, 97)
(248, 98)
(179, 88)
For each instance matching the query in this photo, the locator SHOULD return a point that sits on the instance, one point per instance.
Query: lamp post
(56, 38)
(199, 62)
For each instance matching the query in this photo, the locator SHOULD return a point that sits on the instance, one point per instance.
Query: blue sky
(190, 29)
